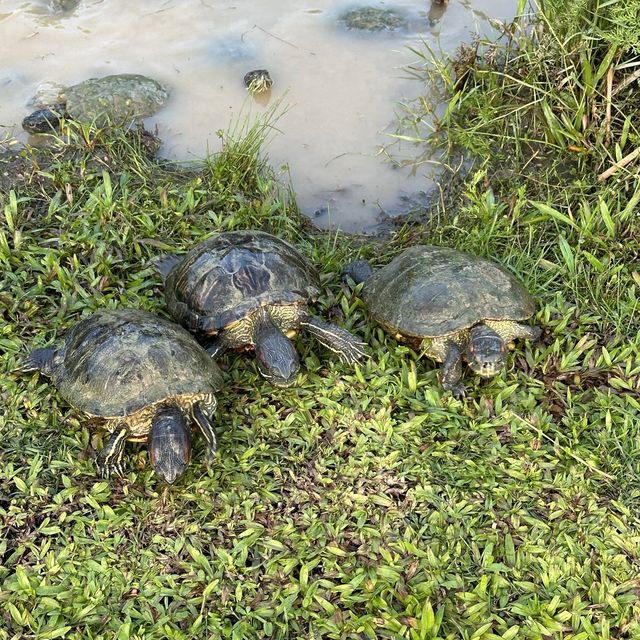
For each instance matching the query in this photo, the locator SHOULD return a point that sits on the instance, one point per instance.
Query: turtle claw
(457, 389)
(108, 471)
(211, 456)
(352, 352)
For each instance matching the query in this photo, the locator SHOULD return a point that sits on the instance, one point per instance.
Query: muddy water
(339, 90)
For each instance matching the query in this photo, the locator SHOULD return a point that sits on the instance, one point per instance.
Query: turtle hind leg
(202, 413)
(344, 344)
(38, 360)
(165, 264)
(358, 271)
(109, 460)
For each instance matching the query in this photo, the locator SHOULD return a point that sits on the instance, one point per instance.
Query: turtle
(258, 81)
(436, 11)
(140, 376)
(250, 289)
(454, 305)
(116, 99)
(374, 19)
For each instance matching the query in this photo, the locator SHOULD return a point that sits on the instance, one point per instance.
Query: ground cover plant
(365, 502)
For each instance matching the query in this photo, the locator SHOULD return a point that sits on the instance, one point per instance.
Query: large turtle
(454, 305)
(251, 289)
(116, 99)
(142, 377)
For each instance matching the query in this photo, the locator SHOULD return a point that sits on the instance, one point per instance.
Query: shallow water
(339, 89)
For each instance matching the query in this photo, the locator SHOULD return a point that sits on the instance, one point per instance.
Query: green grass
(366, 502)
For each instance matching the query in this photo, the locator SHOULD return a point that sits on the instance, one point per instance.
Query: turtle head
(486, 351)
(44, 120)
(169, 443)
(277, 357)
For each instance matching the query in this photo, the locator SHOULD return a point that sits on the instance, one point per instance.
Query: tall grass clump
(546, 120)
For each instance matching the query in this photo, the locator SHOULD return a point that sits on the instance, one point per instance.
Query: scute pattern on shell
(115, 363)
(428, 291)
(232, 274)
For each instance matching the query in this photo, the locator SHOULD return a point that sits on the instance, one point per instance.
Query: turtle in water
(437, 10)
(139, 376)
(115, 99)
(251, 289)
(454, 305)
(374, 19)
(258, 81)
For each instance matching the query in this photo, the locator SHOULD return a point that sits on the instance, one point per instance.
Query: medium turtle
(250, 289)
(141, 377)
(115, 99)
(454, 305)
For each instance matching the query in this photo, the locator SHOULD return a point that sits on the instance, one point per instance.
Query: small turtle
(374, 19)
(250, 289)
(436, 11)
(258, 80)
(117, 99)
(454, 305)
(63, 6)
(141, 377)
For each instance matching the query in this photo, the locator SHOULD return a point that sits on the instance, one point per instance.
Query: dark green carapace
(457, 305)
(251, 289)
(137, 374)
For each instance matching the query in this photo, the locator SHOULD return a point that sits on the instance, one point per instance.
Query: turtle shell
(120, 98)
(232, 274)
(374, 19)
(428, 292)
(114, 363)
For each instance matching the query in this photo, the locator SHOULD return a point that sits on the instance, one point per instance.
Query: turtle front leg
(510, 330)
(347, 347)
(217, 347)
(109, 460)
(39, 360)
(451, 371)
(525, 331)
(203, 412)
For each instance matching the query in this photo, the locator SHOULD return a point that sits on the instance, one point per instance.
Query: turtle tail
(358, 271)
(38, 360)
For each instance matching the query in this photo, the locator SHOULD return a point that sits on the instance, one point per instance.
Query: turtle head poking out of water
(258, 81)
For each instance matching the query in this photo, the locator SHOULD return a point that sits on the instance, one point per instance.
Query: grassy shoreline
(359, 503)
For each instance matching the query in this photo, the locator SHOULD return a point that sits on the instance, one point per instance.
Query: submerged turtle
(436, 11)
(258, 80)
(142, 377)
(251, 289)
(113, 99)
(455, 305)
(374, 19)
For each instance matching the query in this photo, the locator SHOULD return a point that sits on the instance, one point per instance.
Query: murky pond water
(339, 89)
